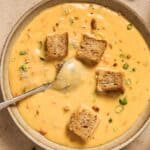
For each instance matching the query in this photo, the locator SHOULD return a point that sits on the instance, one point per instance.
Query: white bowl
(119, 142)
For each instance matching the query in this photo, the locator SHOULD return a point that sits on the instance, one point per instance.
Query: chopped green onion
(119, 109)
(22, 53)
(123, 101)
(23, 68)
(125, 56)
(125, 66)
(128, 82)
(122, 55)
(129, 26)
(66, 11)
(110, 120)
(73, 45)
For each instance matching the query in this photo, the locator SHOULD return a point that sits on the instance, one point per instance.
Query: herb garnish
(23, 68)
(128, 82)
(123, 101)
(73, 44)
(133, 69)
(122, 55)
(22, 53)
(125, 56)
(125, 66)
(129, 26)
(119, 109)
(66, 11)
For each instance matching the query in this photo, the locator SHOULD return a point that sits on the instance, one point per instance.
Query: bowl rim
(4, 49)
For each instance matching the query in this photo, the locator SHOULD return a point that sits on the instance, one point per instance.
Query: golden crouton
(83, 122)
(91, 50)
(56, 46)
(109, 81)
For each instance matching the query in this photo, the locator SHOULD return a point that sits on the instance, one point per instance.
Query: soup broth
(126, 52)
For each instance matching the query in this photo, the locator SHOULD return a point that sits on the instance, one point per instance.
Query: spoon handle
(14, 100)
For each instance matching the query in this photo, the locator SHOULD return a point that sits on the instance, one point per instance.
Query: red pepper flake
(115, 64)
(93, 24)
(27, 60)
(110, 45)
(128, 56)
(108, 114)
(37, 113)
(57, 24)
(66, 108)
(76, 18)
(95, 108)
(42, 132)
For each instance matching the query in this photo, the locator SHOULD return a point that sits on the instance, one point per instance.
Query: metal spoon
(68, 77)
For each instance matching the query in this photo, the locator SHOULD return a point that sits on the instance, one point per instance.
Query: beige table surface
(10, 136)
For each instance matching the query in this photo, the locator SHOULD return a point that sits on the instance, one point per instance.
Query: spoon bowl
(69, 76)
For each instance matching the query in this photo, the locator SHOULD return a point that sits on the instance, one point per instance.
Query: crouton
(83, 122)
(56, 46)
(109, 81)
(91, 50)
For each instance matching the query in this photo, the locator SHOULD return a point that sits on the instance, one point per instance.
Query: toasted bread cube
(109, 81)
(91, 50)
(83, 122)
(56, 46)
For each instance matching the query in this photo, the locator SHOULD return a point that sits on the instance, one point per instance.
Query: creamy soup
(126, 52)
